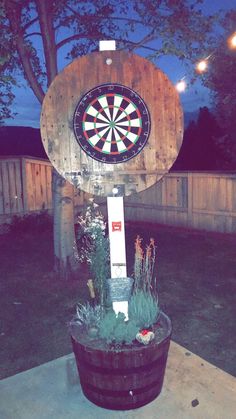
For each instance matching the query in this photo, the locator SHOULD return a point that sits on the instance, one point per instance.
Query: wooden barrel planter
(125, 378)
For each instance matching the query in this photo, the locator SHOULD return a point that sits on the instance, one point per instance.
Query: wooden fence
(195, 200)
(25, 185)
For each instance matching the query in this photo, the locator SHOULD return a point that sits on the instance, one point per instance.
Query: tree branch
(28, 35)
(45, 12)
(134, 45)
(119, 18)
(13, 14)
(143, 41)
(27, 25)
(73, 38)
(97, 17)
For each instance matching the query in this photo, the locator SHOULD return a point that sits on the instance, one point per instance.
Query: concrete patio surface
(193, 388)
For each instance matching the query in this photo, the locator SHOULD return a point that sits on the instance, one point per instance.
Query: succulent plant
(87, 315)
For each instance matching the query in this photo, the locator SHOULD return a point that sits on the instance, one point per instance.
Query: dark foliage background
(203, 145)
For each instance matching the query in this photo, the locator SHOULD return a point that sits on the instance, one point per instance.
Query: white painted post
(107, 45)
(115, 209)
(116, 227)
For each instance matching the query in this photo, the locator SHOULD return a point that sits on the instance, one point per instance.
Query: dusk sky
(28, 108)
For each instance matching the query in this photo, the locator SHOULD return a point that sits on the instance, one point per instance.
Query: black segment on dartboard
(111, 123)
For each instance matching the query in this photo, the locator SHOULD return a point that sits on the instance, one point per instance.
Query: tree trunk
(65, 250)
(66, 261)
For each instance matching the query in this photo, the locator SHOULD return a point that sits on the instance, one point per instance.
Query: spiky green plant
(143, 309)
(87, 315)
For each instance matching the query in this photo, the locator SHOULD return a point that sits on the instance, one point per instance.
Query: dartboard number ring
(111, 123)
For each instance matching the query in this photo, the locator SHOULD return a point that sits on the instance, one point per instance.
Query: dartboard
(111, 123)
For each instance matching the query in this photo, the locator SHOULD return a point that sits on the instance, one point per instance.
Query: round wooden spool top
(79, 83)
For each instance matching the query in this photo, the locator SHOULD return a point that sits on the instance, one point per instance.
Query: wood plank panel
(19, 200)
(234, 194)
(37, 180)
(49, 185)
(12, 186)
(221, 194)
(200, 196)
(30, 186)
(6, 188)
(43, 186)
(24, 184)
(182, 198)
(1, 191)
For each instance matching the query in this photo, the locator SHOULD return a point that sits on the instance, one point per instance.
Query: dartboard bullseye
(111, 123)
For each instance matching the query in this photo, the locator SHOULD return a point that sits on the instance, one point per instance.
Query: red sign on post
(116, 225)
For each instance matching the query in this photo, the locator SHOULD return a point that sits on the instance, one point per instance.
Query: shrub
(93, 247)
(114, 329)
(32, 223)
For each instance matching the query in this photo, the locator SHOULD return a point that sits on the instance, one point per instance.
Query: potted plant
(121, 363)
(93, 246)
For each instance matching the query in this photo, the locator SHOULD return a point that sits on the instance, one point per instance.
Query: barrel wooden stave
(122, 379)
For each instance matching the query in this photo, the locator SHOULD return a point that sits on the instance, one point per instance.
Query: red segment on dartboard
(112, 123)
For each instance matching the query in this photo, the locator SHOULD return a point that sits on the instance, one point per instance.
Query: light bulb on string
(201, 66)
(232, 41)
(181, 86)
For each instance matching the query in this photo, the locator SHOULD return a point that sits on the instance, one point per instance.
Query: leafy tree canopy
(202, 148)
(7, 64)
(221, 75)
(222, 82)
(38, 36)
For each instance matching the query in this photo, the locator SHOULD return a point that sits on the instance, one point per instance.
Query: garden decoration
(121, 363)
(112, 125)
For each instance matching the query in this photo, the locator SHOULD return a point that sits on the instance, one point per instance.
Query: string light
(181, 86)
(202, 65)
(232, 41)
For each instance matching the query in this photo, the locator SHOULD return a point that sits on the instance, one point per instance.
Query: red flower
(144, 332)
